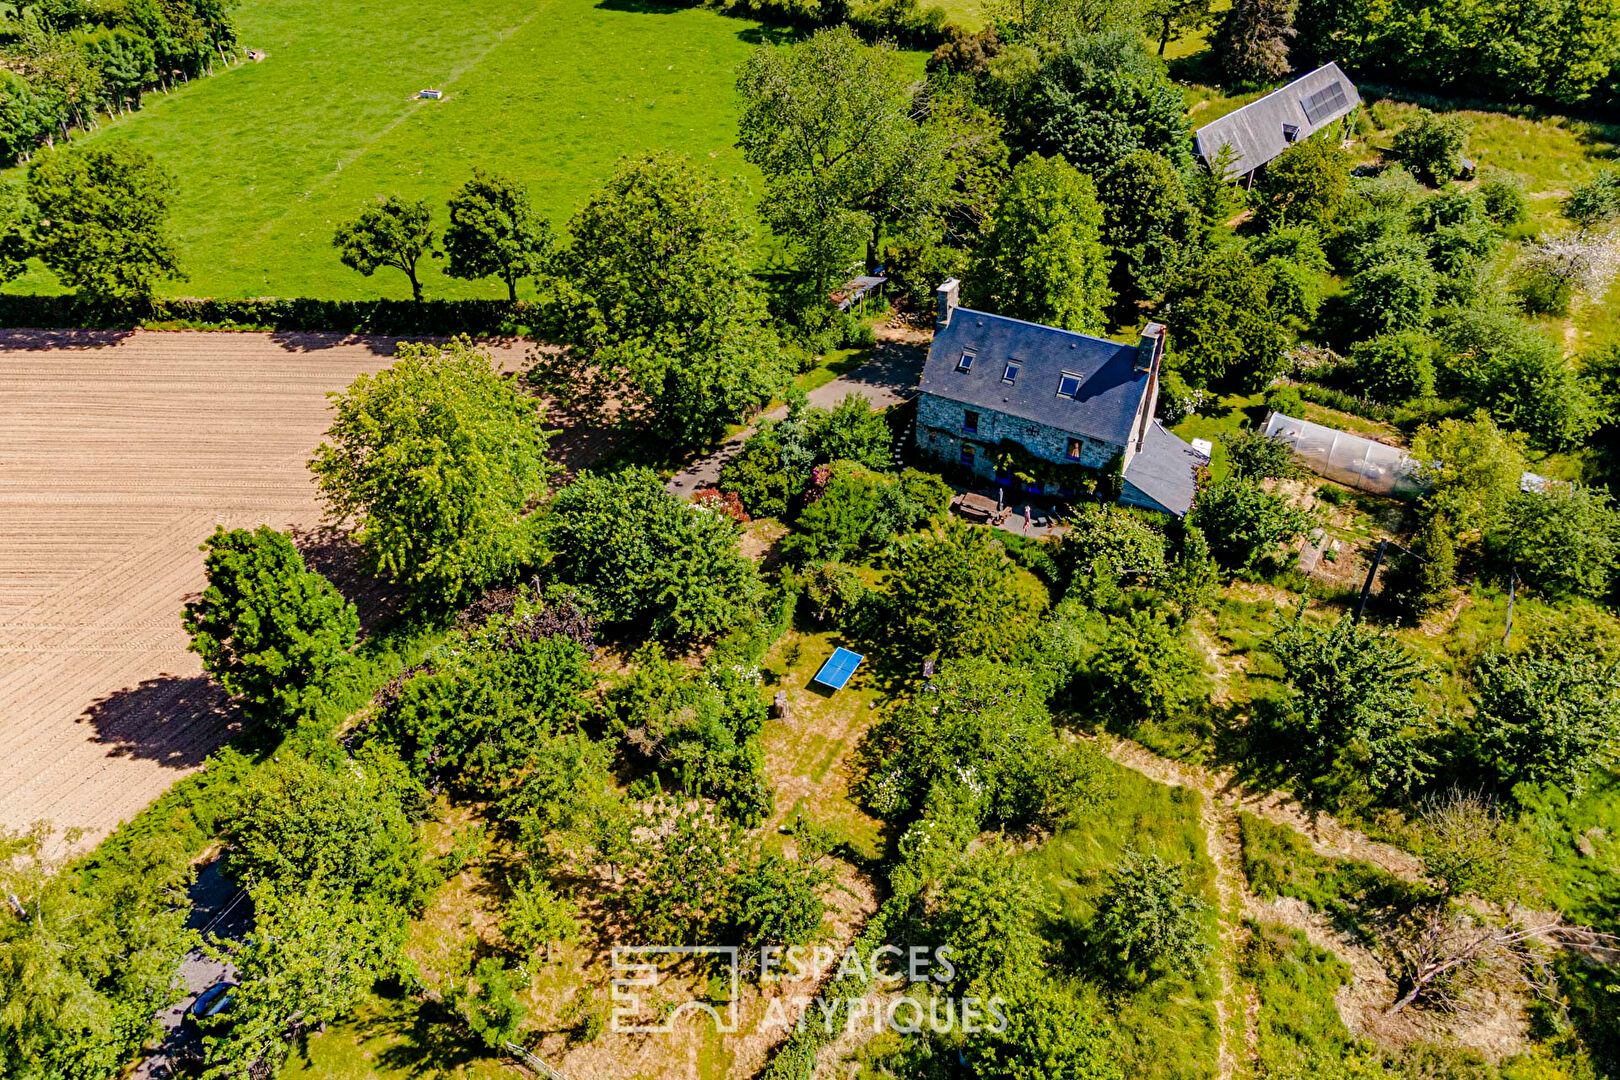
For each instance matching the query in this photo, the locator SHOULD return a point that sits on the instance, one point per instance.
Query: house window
(1074, 450)
(966, 363)
(1069, 385)
(967, 455)
(1011, 372)
(970, 421)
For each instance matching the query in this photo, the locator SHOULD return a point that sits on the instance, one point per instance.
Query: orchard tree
(1305, 184)
(1151, 223)
(956, 593)
(271, 632)
(1595, 203)
(1043, 258)
(438, 459)
(1253, 455)
(1562, 541)
(1252, 40)
(1150, 919)
(646, 557)
(1394, 368)
(1432, 145)
(493, 232)
(1419, 582)
(1392, 295)
(1244, 523)
(657, 293)
(388, 232)
(1051, 1031)
(1177, 18)
(101, 220)
(1471, 469)
(988, 913)
(1509, 366)
(1223, 330)
(1549, 713)
(836, 128)
(1145, 670)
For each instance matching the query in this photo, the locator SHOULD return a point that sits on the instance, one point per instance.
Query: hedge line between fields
(429, 318)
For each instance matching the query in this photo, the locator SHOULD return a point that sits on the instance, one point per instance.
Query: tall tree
(1043, 259)
(1223, 331)
(438, 459)
(1471, 469)
(493, 231)
(1305, 184)
(657, 293)
(271, 632)
(1152, 224)
(837, 129)
(101, 220)
(1550, 713)
(1252, 42)
(388, 232)
(956, 593)
(1170, 19)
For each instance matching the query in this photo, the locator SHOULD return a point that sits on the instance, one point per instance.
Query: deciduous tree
(1549, 713)
(1253, 40)
(1150, 919)
(1223, 331)
(387, 232)
(494, 232)
(956, 593)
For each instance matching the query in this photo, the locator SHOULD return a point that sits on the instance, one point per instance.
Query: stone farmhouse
(1049, 411)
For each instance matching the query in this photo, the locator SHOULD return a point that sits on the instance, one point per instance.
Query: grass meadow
(271, 155)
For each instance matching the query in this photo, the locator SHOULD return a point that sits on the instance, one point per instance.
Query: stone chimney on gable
(1150, 349)
(1149, 356)
(945, 301)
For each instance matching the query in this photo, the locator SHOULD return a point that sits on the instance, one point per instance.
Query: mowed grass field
(270, 156)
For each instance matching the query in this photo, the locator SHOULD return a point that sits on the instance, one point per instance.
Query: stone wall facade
(941, 435)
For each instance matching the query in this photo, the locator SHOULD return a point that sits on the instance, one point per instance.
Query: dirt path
(119, 453)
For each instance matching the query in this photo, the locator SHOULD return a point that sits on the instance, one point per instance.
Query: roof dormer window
(1010, 373)
(966, 363)
(1069, 385)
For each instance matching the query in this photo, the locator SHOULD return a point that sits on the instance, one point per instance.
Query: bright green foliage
(387, 232)
(479, 708)
(975, 741)
(990, 908)
(1395, 293)
(832, 124)
(1096, 98)
(777, 901)
(1503, 197)
(1145, 670)
(1457, 230)
(1549, 713)
(1050, 1033)
(1109, 539)
(101, 220)
(701, 729)
(1597, 202)
(1244, 523)
(1151, 224)
(313, 953)
(1299, 270)
(493, 232)
(648, 558)
(271, 632)
(1353, 713)
(832, 590)
(1042, 258)
(1393, 368)
(1212, 188)
(1305, 184)
(858, 508)
(82, 975)
(956, 594)
(1192, 581)
(1223, 331)
(563, 806)
(1471, 468)
(1432, 145)
(1150, 920)
(348, 827)
(851, 431)
(536, 916)
(1506, 365)
(655, 280)
(775, 464)
(1253, 455)
(1252, 41)
(437, 458)
(1562, 541)
(492, 1009)
(1178, 18)
(1416, 586)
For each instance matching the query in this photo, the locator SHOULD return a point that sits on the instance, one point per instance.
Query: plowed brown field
(119, 453)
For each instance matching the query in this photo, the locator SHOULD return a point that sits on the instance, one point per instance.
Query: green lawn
(270, 156)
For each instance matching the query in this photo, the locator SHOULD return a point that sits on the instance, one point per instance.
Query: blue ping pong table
(838, 668)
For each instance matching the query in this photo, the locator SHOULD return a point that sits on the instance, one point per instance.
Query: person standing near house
(1028, 516)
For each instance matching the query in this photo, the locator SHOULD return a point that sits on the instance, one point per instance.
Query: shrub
(858, 508)
(1145, 670)
(1109, 539)
(1395, 294)
(1393, 368)
(1305, 184)
(1432, 145)
(956, 593)
(1596, 202)
(1563, 541)
(1510, 367)
(1150, 920)
(1504, 198)
(1244, 523)
(1549, 714)
(1253, 455)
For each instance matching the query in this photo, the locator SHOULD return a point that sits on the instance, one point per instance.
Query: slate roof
(1257, 131)
(1110, 386)
(1164, 472)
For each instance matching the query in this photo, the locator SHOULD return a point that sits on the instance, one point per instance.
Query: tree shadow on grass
(317, 341)
(173, 720)
(644, 7)
(333, 553)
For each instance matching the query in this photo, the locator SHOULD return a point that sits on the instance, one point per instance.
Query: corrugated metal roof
(1103, 406)
(1163, 475)
(1263, 129)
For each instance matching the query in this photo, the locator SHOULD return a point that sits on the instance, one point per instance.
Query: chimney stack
(1150, 349)
(945, 302)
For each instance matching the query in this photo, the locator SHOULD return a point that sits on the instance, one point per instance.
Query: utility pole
(1513, 588)
(1372, 572)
